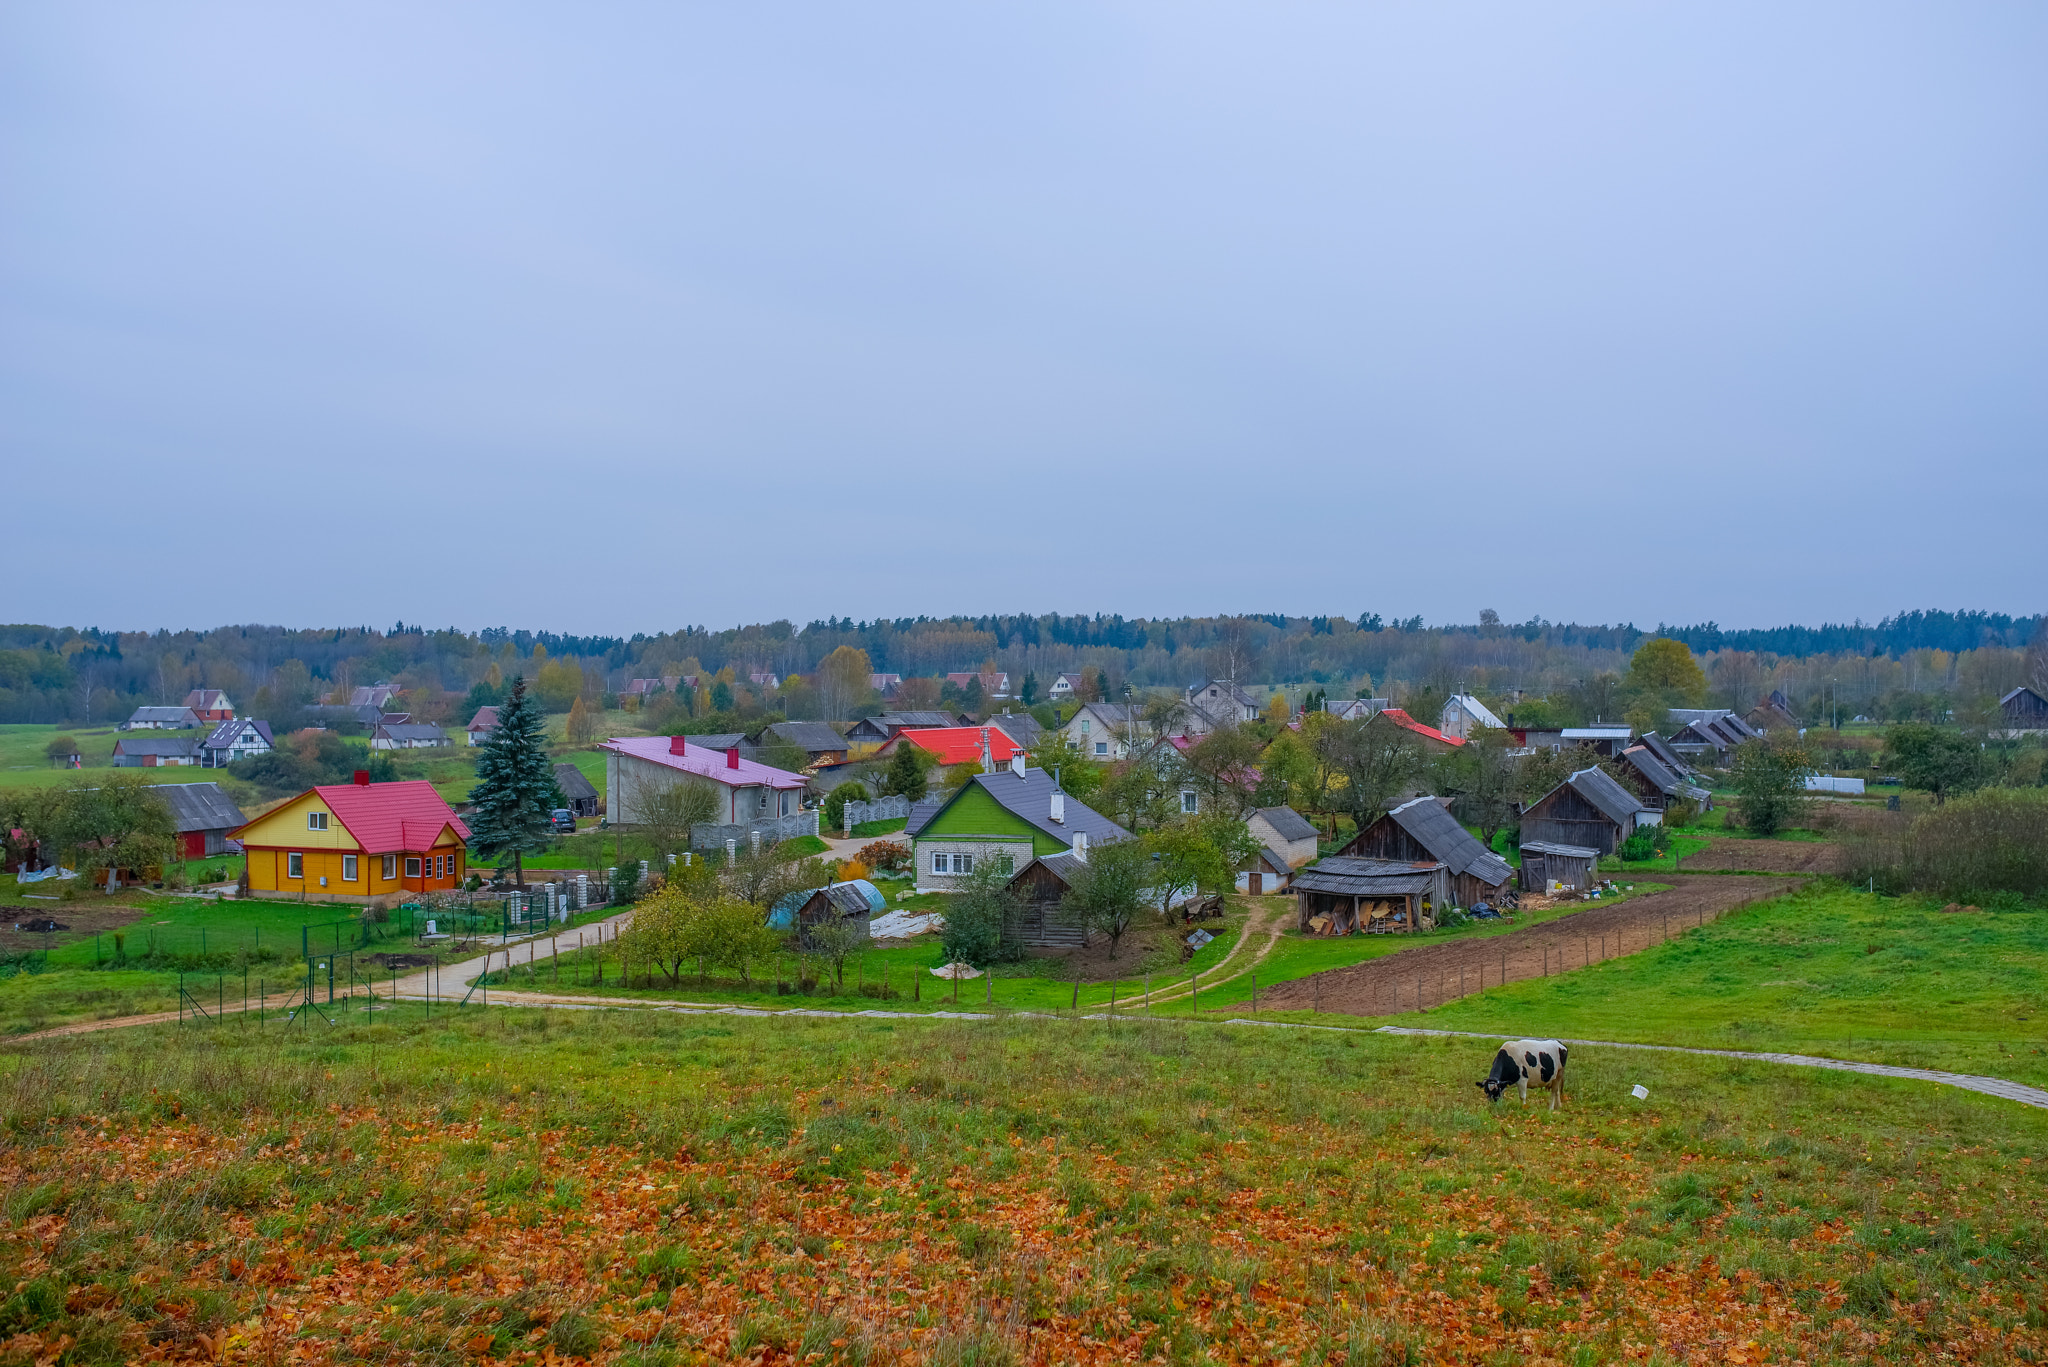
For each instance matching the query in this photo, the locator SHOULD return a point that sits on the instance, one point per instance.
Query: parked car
(565, 820)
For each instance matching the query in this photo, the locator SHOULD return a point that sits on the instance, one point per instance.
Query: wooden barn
(1657, 784)
(1035, 895)
(1575, 866)
(203, 815)
(1587, 809)
(1424, 830)
(2022, 711)
(850, 904)
(577, 790)
(1342, 896)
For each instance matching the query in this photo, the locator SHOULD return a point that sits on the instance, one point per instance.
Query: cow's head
(1493, 1087)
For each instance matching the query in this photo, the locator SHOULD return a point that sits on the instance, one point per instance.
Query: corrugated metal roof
(1616, 732)
(1600, 789)
(1563, 851)
(157, 745)
(961, 744)
(175, 716)
(811, 737)
(1437, 831)
(1030, 797)
(390, 818)
(703, 761)
(1477, 710)
(1287, 823)
(1349, 877)
(199, 806)
(921, 813)
(410, 731)
(1400, 717)
(1022, 727)
(228, 732)
(573, 783)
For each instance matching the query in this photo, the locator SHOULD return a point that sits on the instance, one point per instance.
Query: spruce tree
(515, 786)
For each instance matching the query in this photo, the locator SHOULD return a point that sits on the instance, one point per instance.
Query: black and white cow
(1522, 1060)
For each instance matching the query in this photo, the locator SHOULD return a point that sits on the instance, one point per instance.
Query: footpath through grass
(648, 1189)
(1825, 971)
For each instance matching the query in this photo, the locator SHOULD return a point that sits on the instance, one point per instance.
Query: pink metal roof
(704, 762)
(388, 818)
(1401, 718)
(961, 744)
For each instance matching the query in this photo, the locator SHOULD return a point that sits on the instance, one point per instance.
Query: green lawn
(1822, 971)
(874, 830)
(655, 1189)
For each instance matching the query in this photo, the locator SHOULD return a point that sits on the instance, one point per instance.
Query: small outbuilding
(850, 903)
(1036, 891)
(1286, 832)
(1423, 830)
(577, 790)
(1589, 808)
(1342, 896)
(151, 752)
(407, 736)
(202, 815)
(1571, 866)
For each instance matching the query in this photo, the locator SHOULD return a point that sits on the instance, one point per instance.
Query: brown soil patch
(1763, 856)
(1441, 972)
(1149, 945)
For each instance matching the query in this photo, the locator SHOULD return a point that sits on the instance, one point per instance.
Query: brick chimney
(678, 745)
(362, 778)
(732, 757)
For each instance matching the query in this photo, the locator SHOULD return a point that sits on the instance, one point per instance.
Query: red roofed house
(992, 685)
(210, 704)
(482, 724)
(358, 841)
(958, 744)
(1394, 716)
(754, 798)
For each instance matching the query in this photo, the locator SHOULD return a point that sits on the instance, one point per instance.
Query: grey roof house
(233, 740)
(161, 719)
(1588, 809)
(1423, 830)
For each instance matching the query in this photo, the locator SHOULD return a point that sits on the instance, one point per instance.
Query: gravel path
(1431, 974)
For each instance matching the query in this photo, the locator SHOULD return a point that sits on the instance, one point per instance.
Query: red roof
(1401, 718)
(389, 818)
(961, 744)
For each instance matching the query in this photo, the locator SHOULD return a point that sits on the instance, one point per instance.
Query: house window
(1006, 864)
(963, 863)
(390, 867)
(295, 865)
(412, 866)
(1190, 801)
(1084, 726)
(941, 863)
(1102, 747)
(348, 868)
(316, 821)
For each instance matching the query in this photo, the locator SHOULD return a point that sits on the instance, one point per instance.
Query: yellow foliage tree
(582, 727)
(1667, 668)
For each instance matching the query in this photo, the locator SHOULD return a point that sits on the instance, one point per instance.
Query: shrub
(835, 804)
(885, 854)
(1973, 848)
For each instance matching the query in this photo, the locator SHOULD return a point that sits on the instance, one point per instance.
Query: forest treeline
(1915, 664)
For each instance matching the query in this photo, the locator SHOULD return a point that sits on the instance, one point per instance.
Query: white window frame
(941, 862)
(316, 821)
(390, 867)
(294, 864)
(963, 863)
(412, 866)
(348, 868)
(1190, 801)
(1102, 747)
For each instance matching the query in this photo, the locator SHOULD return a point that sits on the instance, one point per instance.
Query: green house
(1011, 817)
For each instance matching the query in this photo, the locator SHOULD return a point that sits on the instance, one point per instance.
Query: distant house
(154, 752)
(880, 730)
(885, 684)
(1104, 731)
(232, 740)
(1464, 713)
(1222, 703)
(2023, 711)
(203, 816)
(1423, 829)
(764, 679)
(959, 744)
(407, 736)
(819, 742)
(992, 685)
(1286, 832)
(753, 798)
(1063, 686)
(210, 704)
(1355, 709)
(372, 695)
(1657, 784)
(161, 719)
(1773, 714)
(1011, 817)
(577, 790)
(324, 715)
(1712, 735)
(1661, 748)
(1434, 740)
(1021, 727)
(668, 683)
(1588, 809)
(482, 724)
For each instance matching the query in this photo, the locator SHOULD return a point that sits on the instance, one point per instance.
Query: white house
(1223, 702)
(1464, 713)
(486, 721)
(233, 740)
(1063, 686)
(753, 798)
(161, 719)
(1103, 731)
(407, 736)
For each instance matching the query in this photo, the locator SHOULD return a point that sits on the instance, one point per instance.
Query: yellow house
(359, 842)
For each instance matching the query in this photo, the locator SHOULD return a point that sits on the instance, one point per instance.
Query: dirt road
(1762, 856)
(1432, 974)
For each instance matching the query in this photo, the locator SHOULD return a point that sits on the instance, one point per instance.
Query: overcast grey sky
(605, 317)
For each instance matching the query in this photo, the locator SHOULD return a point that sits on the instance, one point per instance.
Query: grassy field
(647, 1189)
(1824, 971)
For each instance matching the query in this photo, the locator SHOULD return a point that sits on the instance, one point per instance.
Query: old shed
(1424, 829)
(1589, 808)
(1035, 894)
(1343, 896)
(1544, 863)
